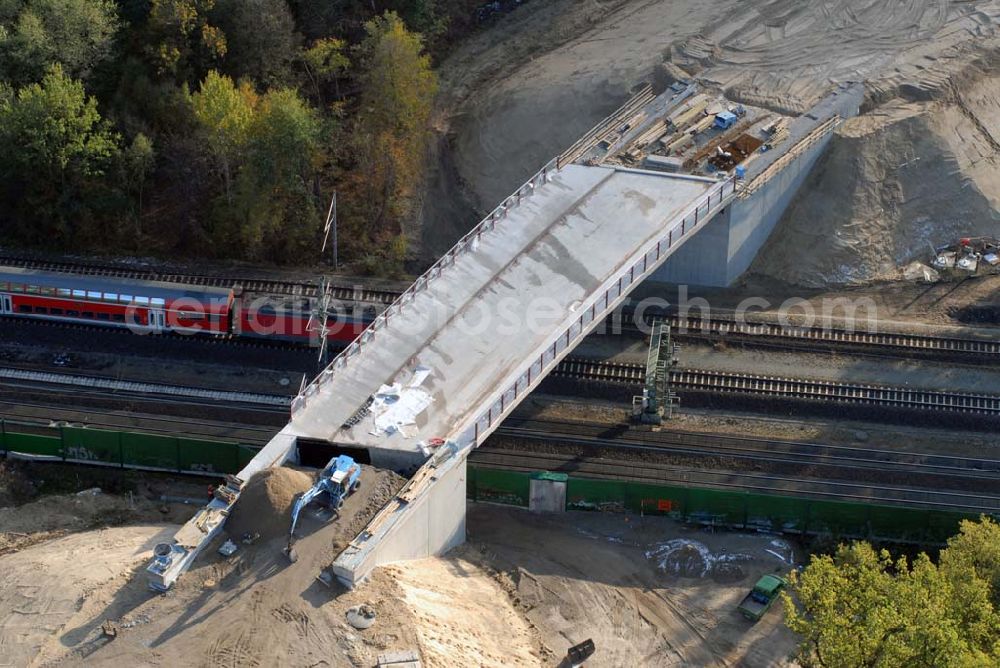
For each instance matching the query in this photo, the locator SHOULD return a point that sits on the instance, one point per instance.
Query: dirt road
(647, 591)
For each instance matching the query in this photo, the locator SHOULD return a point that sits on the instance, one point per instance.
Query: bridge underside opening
(315, 452)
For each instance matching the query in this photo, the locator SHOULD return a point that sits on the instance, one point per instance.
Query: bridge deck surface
(481, 320)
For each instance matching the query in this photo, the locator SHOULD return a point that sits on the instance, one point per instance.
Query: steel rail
(724, 382)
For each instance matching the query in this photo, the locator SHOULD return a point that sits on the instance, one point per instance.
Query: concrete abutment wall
(724, 249)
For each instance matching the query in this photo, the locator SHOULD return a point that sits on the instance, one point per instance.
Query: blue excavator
(340, 478)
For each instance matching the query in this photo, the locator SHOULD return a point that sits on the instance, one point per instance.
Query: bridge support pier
(429, 522)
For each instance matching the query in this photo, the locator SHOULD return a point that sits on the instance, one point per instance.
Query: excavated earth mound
(893, 183)
(265, 504)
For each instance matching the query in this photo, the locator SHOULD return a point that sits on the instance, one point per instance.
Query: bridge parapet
(466, 244)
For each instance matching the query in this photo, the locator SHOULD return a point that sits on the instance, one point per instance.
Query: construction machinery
(340, 478)
(657, 400)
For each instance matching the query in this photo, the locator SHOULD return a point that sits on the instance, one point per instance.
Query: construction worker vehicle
(340, 478)
(761, 597)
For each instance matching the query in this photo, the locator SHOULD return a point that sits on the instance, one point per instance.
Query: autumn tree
(325, 61)
(266, 150)
(398, 87)
(277, 208)
(225, 111)
(54, 149)
(861, 607)
(76, 34)
(976, 550)
(180, 40)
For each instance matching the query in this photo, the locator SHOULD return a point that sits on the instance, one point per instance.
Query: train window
(24, 308)
(64, 292)
(45, 290)
(118, 317)
(56, 311)
(103, 316)
(4, 285)
(142, 300)
(158, 301)
(111, 296)
(88, 314)
(125, 299)
(31, 289)
(93, 295)
(72, 314)
(79, 293)
(41, 310)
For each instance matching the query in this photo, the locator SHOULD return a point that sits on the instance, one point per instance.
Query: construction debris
(109, 629)
(361, 616)
(228, 548)
(407, 659)
(969, 255)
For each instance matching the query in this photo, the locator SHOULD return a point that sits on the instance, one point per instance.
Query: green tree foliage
(860, 607)
(137, 162)
(276, 208)
(225, 112)
(267, 152)
(261, 40)
(398, 87)
(976, 549)
(292, 99)
(180, 41)
(77, 34)
(324, 62)
(54, 147)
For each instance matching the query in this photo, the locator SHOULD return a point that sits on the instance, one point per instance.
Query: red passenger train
(155, 306)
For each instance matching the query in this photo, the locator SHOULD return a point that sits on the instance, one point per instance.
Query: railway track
(617, 452)
(654, 473)
(20, 414)
(722, 382)
(975, 350)
(593, 371)
(594, 436)
(345, 293)
(983, 350)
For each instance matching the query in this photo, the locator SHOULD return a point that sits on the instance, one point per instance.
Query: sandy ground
(520, 93)
(462, 615)
(257, 608)
(896, 181)
(49, 593)
(648, 591)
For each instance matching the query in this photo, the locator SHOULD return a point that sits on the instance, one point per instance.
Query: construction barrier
(728, 509)
(740, 510)
(123, 449)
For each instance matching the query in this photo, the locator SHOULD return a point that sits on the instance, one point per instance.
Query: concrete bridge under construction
(443, 365)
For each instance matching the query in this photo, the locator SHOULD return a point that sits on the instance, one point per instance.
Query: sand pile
(893, 183)
(266, 502)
